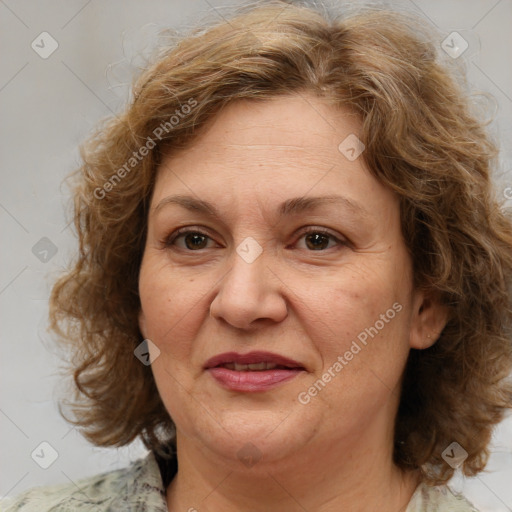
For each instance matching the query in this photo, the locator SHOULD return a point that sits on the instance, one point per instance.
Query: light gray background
(48, 106)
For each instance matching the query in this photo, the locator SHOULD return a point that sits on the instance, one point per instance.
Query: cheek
(362, 304)
(361, 342)
(171, 305)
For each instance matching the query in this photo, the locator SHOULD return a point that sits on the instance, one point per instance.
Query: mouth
(252, 372)
(252, 361)
(254, 367)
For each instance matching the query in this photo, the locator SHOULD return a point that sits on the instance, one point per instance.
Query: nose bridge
(246, 279)
(248, 292)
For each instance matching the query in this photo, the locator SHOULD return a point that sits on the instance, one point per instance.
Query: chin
(253, 438)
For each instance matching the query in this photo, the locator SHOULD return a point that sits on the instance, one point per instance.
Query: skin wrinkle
(302, 305)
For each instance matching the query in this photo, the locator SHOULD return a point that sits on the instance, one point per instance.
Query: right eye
(190, 239)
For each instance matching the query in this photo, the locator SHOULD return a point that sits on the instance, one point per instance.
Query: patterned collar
(141, 488)
(137, 488)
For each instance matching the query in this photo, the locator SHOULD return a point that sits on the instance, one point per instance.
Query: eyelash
(169, 241)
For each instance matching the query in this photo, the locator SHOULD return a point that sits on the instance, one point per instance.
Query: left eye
(318, 240)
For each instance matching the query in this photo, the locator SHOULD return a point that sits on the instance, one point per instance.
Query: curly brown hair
(422, 140)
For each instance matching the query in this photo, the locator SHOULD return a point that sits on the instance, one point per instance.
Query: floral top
(140, 487)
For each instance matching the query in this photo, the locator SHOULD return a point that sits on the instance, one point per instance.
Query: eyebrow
(289, 207)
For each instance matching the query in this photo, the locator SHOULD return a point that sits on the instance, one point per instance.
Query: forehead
(284, 147)
(295, 124)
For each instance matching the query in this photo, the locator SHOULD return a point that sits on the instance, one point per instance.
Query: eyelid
(188, 229)
(324, 231)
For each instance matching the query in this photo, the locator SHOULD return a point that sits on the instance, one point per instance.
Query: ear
(429, 318)
(142, 324)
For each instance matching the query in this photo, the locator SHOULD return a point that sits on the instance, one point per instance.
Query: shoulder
(432, 498)
(137, 487)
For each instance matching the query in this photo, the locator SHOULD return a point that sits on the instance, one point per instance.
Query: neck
(356, 477)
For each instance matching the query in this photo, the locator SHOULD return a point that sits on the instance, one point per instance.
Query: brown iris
(317, 241)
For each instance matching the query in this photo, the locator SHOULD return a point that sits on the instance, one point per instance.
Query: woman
(293, 280)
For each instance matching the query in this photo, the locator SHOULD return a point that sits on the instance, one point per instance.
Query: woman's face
(298, 254)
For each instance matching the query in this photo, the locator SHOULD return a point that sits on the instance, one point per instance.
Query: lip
(252, 381)
(250, 358)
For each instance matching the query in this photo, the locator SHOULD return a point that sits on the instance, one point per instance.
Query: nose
(250, 294)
